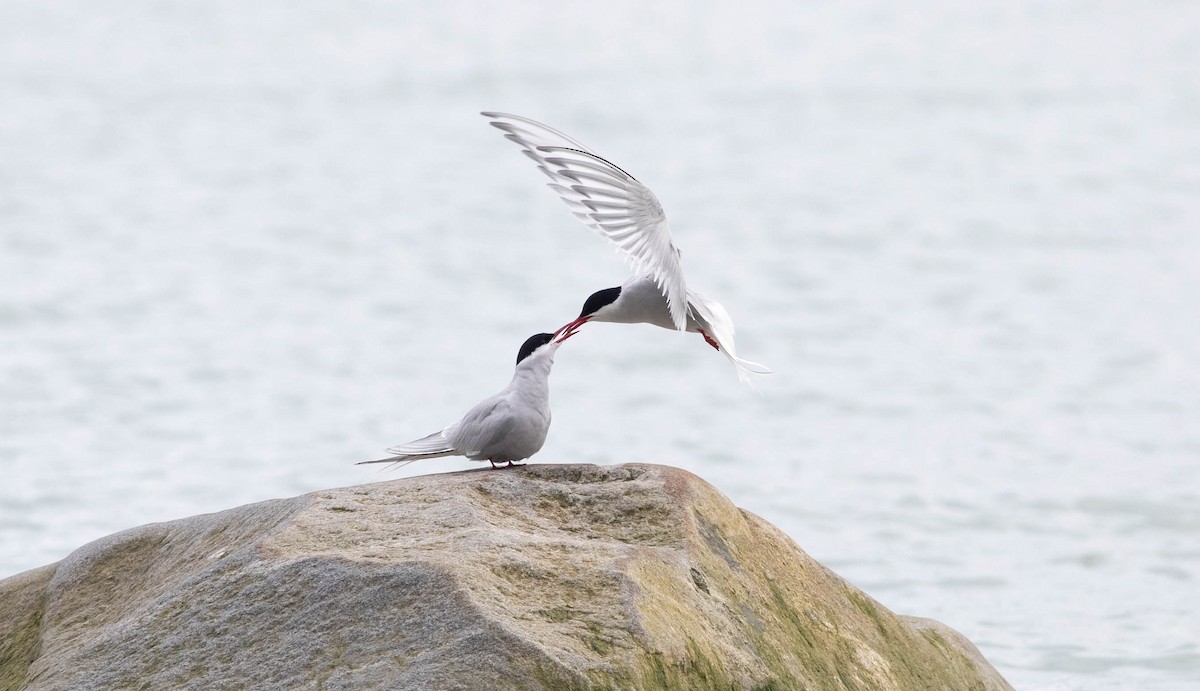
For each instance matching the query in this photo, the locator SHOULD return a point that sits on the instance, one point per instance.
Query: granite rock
(538, 577)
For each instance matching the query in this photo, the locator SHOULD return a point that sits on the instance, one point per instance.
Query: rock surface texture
(539, 577)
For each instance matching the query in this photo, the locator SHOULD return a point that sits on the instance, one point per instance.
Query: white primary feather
(436, 443)
(608, 200)
(433, 446)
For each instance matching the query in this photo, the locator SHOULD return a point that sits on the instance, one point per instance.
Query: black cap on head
(599, 299)
(533, 343)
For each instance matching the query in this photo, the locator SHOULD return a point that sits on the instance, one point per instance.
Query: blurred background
(244, 245)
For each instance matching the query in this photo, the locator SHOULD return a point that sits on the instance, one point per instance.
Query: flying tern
(625, 212)
(508, 427)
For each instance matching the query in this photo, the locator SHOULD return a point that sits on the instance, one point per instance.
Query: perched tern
(508, 427)
(625, 212)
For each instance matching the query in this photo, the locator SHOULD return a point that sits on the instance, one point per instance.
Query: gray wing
(608, 200)
(484, 426)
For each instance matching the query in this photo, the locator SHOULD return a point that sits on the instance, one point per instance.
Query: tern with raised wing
(503, 429)
(625, 212)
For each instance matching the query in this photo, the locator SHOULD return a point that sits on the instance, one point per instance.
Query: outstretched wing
(608, 200)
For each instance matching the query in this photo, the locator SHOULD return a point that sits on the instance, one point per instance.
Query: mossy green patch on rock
(536, 577)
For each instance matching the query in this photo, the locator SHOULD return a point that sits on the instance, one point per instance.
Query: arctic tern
(508, 427)
(622, 210)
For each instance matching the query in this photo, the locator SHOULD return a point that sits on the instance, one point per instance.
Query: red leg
(510, 464)
(708, 338)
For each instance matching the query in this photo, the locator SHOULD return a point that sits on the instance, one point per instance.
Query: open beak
(570, 329)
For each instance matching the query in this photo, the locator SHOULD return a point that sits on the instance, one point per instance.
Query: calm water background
(243, 245)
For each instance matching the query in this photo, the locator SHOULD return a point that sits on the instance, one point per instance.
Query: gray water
(243, 245)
